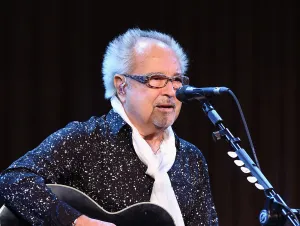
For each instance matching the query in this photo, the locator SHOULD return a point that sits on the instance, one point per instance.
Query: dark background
(51, 75)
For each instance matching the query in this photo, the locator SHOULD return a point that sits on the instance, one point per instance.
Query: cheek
(142, 102)
(144, 99)
(178, 107)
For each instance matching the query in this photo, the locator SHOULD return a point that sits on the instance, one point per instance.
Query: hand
(86, 221)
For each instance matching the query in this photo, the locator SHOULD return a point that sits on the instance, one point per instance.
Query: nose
(169, 89)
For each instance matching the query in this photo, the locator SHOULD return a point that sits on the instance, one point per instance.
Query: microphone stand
(276, 212)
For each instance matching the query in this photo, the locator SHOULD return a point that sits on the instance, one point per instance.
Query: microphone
(188, 93)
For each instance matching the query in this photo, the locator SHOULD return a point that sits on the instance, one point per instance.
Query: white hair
(118, 57)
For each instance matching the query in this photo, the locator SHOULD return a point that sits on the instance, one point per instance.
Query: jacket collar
(115, 122)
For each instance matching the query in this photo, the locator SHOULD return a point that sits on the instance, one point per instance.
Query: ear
(120, 84)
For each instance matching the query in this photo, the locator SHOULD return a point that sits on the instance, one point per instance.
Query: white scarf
(162, 191)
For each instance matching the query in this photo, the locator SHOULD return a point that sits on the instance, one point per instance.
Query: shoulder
(89, 126)
(78, 130)
(105, 125)
(82, 127)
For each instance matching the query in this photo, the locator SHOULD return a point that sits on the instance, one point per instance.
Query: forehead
(154, 56)
(143, 45)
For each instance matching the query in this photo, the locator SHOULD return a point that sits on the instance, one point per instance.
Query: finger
(105, 223)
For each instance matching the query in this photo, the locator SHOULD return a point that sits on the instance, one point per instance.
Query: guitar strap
(162, 191)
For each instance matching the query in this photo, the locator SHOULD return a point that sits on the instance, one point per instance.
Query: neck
(152, 135)
(154, 140)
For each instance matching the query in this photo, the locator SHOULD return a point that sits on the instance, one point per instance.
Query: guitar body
(140, 214)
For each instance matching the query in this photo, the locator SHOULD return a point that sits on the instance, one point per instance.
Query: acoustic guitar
(140, 214)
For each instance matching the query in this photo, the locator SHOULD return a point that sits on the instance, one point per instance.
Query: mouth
(166, 107)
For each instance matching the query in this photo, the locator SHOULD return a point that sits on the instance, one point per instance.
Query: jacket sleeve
(23, 184)
(204, 211)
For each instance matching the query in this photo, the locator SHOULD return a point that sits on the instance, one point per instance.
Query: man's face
(147, 108)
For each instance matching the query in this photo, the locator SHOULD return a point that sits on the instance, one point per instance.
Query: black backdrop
(52, 54)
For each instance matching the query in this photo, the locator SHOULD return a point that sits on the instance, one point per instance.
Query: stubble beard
(163, 121)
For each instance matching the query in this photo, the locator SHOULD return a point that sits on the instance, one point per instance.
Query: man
(128, 156)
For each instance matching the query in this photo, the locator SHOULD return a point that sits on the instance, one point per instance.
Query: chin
(163, 123)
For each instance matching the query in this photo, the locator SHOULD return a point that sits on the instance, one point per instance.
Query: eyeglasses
(158, 80)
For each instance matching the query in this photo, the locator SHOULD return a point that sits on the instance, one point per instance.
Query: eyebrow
(175, 74)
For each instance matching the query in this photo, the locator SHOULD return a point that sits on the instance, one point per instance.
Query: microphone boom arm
(276, 211)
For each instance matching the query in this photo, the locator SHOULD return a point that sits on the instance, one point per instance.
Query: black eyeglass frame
(146, 78)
